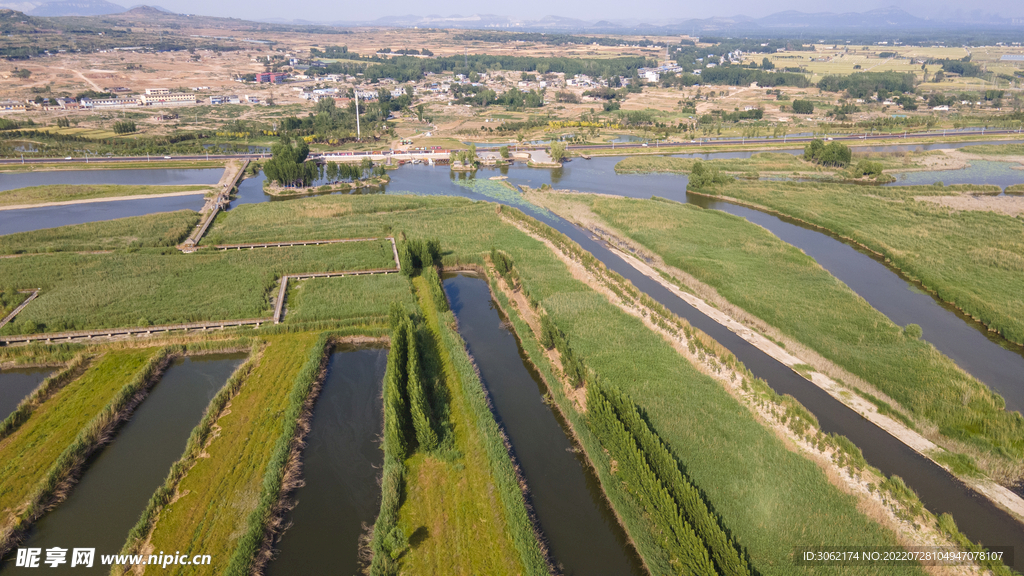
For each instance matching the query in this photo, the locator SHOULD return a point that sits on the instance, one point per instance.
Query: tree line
(866, 84)
(690, 532)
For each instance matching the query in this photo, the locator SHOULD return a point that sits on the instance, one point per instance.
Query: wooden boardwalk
(293, 243)
(220, 201)
(127, 332)
(20, 307)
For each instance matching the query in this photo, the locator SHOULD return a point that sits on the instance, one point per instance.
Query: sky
(648, 10)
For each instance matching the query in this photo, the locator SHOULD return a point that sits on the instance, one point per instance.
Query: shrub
(831, 154)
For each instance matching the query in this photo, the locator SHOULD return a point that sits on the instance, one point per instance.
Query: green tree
(419, 407)
(419, 112)
(558, 152)
(288, 166)
(504, 152)
(803, 106)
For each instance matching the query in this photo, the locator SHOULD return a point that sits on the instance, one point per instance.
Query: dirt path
(94, 85)
(104, 199)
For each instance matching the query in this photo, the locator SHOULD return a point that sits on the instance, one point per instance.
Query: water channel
(340, 465)
(28, 219)
(120, 478)
(128, 176)
(583, 536)
(16, 384)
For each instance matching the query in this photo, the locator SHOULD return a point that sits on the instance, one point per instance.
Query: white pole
(358, 134)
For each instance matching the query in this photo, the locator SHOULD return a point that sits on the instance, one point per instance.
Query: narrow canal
(119, 480)
(340, 465)
(582, 532)
(16, 384)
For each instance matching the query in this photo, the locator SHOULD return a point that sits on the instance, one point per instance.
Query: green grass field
(217, 495)
(971, 259)
(153, 230)
(81, 291)
(364, 298)
(456, 497)
(70, 192)
(778, 283)
(28, 453)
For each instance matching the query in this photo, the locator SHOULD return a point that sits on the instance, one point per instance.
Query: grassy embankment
(150, 231)
(71, 192)
(779, 144)
(466, 496)
(779, 165)
(54, 440)
(680, 403)
(755, 271)
(223, 497)
(971, 259)
(81, 291)
(996, 150)
(762, 162)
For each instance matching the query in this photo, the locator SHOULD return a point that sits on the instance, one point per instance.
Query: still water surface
(583, 536)
(340, 466)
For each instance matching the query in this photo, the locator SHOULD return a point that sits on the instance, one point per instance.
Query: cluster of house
(654, 74)
(234, 99)
(151, 97)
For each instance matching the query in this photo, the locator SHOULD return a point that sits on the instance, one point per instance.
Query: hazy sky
(648, 10)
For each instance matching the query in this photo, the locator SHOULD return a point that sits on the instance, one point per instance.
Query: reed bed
(86, 291)
(363, 298)
(507, 542)
(42, 393)
(748, 476)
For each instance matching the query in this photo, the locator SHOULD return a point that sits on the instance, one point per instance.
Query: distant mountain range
(70, 7)
(789, 22)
